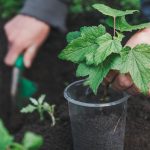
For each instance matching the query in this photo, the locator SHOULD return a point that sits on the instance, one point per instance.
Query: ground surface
(52, 75)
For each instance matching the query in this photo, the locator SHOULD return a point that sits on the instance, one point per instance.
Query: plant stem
(105, 94)
(41, 116)
(41, 113)
(106, 90)
(53, 119)
(114, 26)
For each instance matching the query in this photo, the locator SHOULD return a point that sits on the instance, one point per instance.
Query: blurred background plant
(80, 6)
(8, 8)
(129, 4)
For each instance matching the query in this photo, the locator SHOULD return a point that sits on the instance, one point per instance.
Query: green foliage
(107, 46)
(106, 10)
(5, 138)
(97, 52)
(30, 141)
(129, 4)
(79, 49)
(81, 6)
(9, 7)
(136, 62)
(40, 106)
(122, 24)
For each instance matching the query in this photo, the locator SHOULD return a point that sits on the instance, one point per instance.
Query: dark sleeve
(145, 5)
(52, 12)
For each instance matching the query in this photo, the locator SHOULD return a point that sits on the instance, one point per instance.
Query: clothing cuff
(52, 12)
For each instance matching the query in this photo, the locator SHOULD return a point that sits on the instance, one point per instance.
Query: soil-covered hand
(25, 35)
(124, 82)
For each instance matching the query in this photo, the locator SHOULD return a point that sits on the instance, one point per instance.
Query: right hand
(124, 81)
(25, 35)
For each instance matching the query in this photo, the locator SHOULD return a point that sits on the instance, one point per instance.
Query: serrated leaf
(83, 70)
(120, 36)
(32, 141)
(72, 36)
(122, 24)
(106, 10)
(96, 74)
(33, 101)
(28, 109)
(92, 32)
(90, 58)
(5, 138)
(77, 50)
(108, 45)
(136, 62)
(41, 99)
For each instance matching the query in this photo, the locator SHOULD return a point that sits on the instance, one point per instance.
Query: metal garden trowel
(21, 88)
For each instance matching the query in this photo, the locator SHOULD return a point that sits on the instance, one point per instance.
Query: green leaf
(122, 24)
(32, 141)
(41, 99)
(106, 10)
(17, 146)
(136, 62)
(5, 138)
(46, 106)
(72, 36)
(33, 101)
(108, 45)
(92, 32)
(28, 109)
(83, 70)
(96, 74)
(90, 58)
(77, 50)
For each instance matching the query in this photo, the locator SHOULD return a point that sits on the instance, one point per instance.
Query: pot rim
(76, 102)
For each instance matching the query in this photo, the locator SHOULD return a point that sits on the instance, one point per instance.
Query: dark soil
(52, 76)
(94, 132)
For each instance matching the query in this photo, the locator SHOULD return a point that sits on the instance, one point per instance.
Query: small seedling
(97, 52)
(30, 141)
(40, 106)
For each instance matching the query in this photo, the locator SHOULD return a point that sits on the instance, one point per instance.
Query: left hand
(25, 34)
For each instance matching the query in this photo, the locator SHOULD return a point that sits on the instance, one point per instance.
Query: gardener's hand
(141, 37)
(25, 35)
(124, 82)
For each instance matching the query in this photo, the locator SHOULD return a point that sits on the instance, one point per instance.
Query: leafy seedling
(97, 52)
(40, 106)
(30, 141)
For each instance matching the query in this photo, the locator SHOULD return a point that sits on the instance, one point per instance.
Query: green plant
(128, 4)
(9, 7)
(81, 6)
(40, 106)
(97, 52)
(30, 141)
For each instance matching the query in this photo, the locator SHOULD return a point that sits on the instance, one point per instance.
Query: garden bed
(52, 76)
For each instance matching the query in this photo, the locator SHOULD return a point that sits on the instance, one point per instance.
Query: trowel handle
(20, 63)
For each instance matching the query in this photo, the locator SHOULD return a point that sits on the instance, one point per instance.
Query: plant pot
(97, 124)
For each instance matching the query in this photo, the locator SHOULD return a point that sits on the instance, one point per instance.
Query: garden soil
(52, 76)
